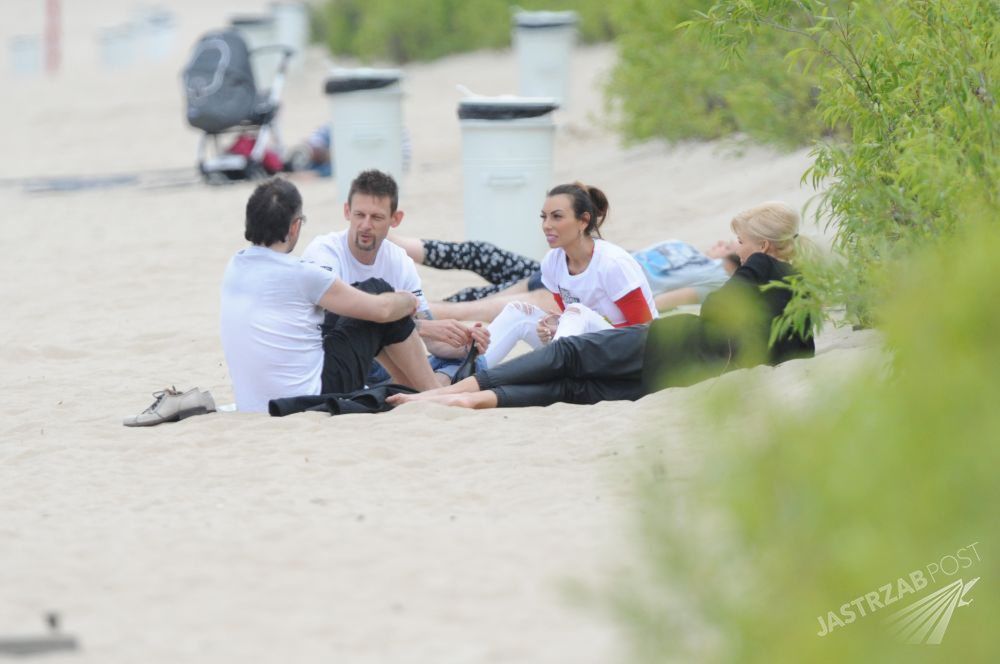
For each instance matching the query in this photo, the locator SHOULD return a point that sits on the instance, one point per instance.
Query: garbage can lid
(505, 108)
(247, 19)
(352, 80)
(545, 19)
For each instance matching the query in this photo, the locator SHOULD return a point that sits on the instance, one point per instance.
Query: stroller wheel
(215, 178)
(256, 171)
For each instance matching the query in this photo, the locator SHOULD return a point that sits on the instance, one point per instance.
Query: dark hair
(585, 200)
(272, 207)
(376, 184)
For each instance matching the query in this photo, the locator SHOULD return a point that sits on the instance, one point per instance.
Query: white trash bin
(544, 43)
(257, 32)
(26, 55)
(118, 46)
(367, 113)
(506, 169)
(291, 28)
(159, 32)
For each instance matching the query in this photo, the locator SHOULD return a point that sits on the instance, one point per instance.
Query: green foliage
(916, 83)
(428, 29)
(871, 478)
(669, 83)
(798, 508)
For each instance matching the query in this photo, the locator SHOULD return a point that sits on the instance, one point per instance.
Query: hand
(546, 328)
(480, 336)
(411, 301)
(450, 332)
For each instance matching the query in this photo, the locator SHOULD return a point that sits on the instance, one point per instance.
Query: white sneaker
(173, 406)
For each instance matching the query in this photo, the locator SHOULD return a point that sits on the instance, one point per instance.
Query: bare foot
(483, 399)
(397, 399)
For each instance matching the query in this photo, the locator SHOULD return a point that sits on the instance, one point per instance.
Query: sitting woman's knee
(520, 308)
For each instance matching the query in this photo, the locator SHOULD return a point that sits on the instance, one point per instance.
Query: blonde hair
(773, 221)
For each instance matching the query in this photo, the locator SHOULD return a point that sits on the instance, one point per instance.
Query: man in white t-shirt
(361, 252)
(273, 306)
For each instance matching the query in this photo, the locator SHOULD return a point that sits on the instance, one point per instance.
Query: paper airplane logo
(927, 620)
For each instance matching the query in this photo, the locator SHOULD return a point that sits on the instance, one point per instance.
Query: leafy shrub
(808, 509)
(428, 29)
(797, 510)
(901, 96)
(670, 84)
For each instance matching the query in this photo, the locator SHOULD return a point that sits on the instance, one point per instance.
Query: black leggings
(582, 369)
(613, 365)
(497, 266)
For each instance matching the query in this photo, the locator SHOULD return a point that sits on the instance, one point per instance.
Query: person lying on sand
(731, 332)
(677, 273)
(361, 252)
(273, 306)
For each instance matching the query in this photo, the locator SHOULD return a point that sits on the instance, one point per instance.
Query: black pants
(583, 369)
(612, 365)
(350, 345)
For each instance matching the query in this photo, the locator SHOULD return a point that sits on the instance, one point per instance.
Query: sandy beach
(422, 535)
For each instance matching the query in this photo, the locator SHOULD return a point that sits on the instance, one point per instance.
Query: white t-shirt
(391, 264)
(270, 326)
(611, 275)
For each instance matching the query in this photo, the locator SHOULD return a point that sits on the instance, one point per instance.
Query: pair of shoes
(173, 406)
(467, 367)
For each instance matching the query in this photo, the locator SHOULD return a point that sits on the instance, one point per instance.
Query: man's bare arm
(346, 300)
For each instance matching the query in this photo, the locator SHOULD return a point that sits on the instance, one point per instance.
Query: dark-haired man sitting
(273, 305)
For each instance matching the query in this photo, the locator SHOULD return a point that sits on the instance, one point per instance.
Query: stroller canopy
(219, 84)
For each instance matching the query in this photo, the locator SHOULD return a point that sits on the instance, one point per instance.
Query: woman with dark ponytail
(734, 330)
(595, 285)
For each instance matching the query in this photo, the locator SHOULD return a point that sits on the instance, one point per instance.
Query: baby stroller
(222, 98)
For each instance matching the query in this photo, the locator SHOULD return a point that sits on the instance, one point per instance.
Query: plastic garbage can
(118, 46)
(367, 110)
(257, 32)
(159, 33)
(544, 43)
(506, 169)
(291, 28)
(26, 55)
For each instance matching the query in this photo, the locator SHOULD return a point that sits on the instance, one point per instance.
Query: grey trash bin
(257, 32)
(544, 44)
(507, 168)
(367, 112)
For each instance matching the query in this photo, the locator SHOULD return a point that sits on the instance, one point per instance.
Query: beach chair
(223, 98)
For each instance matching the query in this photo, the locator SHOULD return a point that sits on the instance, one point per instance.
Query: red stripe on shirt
(633, 306)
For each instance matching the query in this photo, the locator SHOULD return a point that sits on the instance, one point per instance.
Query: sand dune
(426, 534)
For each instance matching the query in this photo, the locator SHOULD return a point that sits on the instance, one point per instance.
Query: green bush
(670, 84)
(428, 29)
(797, 510)
(915, 82)
(803, 510)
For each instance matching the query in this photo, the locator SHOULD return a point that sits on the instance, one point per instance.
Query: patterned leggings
(497, 266)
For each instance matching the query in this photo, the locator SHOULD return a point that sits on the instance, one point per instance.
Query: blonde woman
(731, 332)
